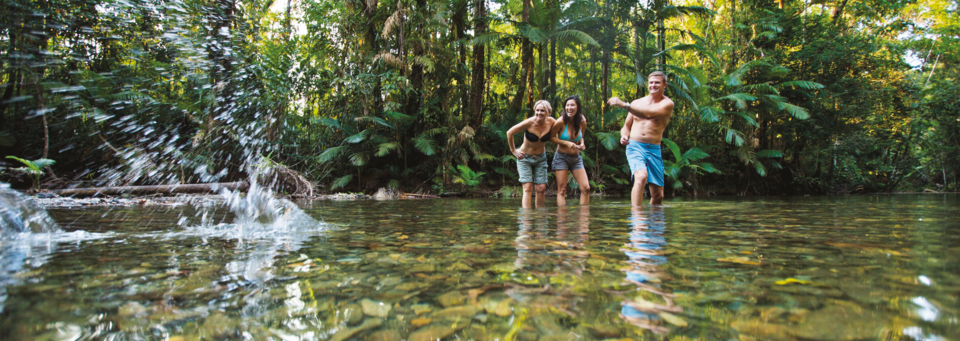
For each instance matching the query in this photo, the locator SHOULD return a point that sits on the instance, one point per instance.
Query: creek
(773, 268)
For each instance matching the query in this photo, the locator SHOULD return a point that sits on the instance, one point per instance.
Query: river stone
(215, 325)
(411, 286)
(463, 313)
(604, 331)
(387, 261)
(421, 308)
(385, 335)
(352, 314)
(837, 322)
(503, 267)
(347, 333)
(131, 309)
(460, 266)
(761, 330)
(375, 309)
(451, 299)
(423, 268)
(390, 281)
(432, 332)
(771, 313)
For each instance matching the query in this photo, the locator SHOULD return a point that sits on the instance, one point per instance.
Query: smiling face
(541, 112)
(570, 108)
(655, 85)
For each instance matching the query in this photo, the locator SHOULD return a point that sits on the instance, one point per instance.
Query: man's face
(655, 85)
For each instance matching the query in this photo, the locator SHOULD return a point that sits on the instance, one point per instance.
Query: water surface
(811, 268)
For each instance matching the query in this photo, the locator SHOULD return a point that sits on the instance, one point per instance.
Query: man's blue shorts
(645, 156)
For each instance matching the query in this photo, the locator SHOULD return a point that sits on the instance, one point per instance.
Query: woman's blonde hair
(545, 103)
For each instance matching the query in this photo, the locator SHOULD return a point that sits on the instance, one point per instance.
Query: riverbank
(49, 200)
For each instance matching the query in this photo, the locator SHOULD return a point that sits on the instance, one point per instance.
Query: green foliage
(467, 177)
(34, 168)
(358, 95)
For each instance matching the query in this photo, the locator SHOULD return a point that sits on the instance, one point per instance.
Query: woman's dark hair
(577, 118)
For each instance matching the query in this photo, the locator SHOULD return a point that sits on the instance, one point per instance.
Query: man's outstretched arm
(649, 111)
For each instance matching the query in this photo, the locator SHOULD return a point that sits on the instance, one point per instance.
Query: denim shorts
(533, 168)
(564, 161)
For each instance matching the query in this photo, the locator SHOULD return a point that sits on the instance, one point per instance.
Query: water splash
(19, 213)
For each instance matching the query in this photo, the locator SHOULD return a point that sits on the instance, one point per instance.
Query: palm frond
(358, 137)
(695, 154)
(330, 154)
(609, 140)
(341, 181)
(396, 116)
(488, 37)
(732, 135)
(425, 145)
(769, 153)
(578, 36)
(483, 157)
(740, 99)
(386, 148)
(710, 114)
(359, 159)
(610, 169)
(759, 88)
(806, 85)
(374, 119)
(796, 111)
(673, 148)
(746, 117)
(426, 62)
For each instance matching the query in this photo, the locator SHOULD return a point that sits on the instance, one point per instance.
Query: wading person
(568, 135)
(532, 154)
(642, 132)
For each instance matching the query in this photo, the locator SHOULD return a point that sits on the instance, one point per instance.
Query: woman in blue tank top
(567, 134)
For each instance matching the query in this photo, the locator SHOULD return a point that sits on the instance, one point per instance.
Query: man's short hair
(660, 74)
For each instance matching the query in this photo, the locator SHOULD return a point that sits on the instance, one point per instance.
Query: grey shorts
(533, 168)
(564, 161)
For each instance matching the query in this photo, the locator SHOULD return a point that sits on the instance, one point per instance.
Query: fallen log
(418, 196)
(144, 190)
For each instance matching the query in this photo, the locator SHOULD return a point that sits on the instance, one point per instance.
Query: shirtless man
(641, 133)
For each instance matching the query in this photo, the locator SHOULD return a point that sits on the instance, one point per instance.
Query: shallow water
(795, 268)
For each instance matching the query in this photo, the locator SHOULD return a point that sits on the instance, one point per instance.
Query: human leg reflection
(646, 253)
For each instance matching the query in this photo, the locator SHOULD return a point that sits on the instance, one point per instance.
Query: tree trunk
(459, 20)
(553, 72)
(526, 58)
(478, 78)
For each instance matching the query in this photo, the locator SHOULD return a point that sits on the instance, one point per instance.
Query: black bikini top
(533, 138)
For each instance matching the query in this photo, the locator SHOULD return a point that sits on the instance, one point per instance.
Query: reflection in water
(550, 263)
(645, 250)
(541, 254)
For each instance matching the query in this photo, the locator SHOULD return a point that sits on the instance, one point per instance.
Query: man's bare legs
(636, 193)
(656, 194)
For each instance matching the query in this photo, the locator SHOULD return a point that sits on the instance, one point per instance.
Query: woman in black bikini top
(532, 154)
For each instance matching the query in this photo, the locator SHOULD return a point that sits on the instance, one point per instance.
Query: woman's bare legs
(562, 187)
(584, 184)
